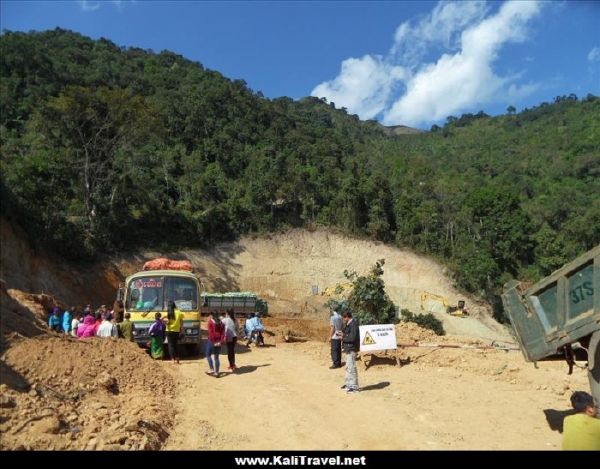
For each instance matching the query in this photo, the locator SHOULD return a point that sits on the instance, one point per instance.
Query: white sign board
(377, 337)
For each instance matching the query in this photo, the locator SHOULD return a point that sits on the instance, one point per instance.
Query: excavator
(433, 302)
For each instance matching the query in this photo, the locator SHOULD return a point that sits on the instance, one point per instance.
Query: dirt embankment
(290, 270)
(58, 392)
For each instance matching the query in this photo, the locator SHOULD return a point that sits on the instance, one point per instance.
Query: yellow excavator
(432, 302)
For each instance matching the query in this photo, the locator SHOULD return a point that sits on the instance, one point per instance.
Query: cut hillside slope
(29, 270)
(285, 269)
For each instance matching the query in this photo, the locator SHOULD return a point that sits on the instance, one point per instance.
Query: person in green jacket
(582, 430)
(126, 328)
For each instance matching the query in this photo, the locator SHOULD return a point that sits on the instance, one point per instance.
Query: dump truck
(242, 303)
(559, 316)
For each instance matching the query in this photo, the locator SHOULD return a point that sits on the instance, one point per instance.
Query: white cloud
(442, 26)
(363, 85)
(91, 5)
(87, 5)
(457, 80)
(594, 55)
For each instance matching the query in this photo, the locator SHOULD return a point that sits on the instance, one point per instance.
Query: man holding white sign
(350, 345)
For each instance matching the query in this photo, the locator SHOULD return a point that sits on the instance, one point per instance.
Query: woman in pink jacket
(86, 328)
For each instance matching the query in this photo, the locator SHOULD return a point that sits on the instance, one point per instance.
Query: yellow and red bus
(149, 292)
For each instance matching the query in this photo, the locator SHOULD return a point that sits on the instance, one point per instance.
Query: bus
(149, 292)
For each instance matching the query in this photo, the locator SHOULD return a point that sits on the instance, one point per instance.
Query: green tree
(368, 300)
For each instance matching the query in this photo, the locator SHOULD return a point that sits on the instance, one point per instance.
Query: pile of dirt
(22, 314)
(58, 392)
(421, 348)
(310, 329)
(411, 333)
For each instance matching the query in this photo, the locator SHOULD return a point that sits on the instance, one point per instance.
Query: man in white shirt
(107, 328)
(335, 337)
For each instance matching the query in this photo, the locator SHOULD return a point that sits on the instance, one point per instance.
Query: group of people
(84, 322)
(170, 328)
(224, 330)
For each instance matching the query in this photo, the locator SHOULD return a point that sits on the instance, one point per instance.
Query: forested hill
(105, 148)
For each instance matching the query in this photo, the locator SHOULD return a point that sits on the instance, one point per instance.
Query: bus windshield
(154, 293)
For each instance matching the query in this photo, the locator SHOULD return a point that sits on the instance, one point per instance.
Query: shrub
(426, 321)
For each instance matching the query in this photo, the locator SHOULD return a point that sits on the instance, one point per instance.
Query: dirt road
(285, 397)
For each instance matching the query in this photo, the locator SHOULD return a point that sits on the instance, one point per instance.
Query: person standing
(75, 323)
(350, 345)
(87, 327)
(126, 328)
(157, 337)
(107, 328)
(174, 330)
(118, 310)
(54, 322)
(231, 328)
(335, 338)
(216, 337)
(66, 320)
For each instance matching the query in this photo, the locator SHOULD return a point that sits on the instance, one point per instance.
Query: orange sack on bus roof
(162, 263)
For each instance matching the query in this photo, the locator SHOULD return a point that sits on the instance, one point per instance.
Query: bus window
(184, 292)
(145, 294)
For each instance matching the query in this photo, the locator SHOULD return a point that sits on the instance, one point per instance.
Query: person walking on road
(335, 338)
(350, 345)
(231, 329)
(216, 337)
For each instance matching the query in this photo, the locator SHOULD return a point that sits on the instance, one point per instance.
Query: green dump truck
(560, 315)
(242, 303)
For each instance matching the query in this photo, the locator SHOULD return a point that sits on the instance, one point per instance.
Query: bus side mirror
(120, 292)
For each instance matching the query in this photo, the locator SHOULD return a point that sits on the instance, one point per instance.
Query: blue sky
(411, 63)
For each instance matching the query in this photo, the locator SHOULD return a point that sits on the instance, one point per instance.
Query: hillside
(106, 148)
(283, 269)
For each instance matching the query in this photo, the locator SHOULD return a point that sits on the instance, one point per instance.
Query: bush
(426, 321)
